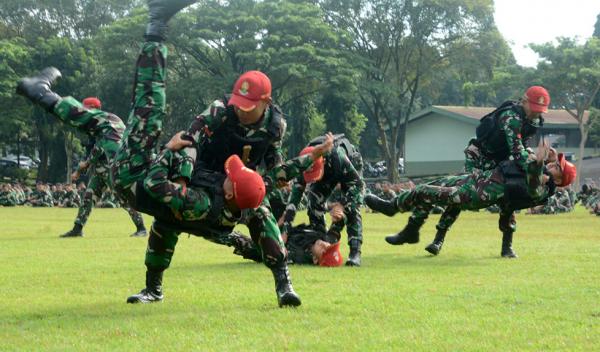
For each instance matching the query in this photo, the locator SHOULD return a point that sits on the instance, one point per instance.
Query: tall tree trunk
(583, 132)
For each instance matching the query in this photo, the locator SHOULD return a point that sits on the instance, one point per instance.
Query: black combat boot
(140, 232)
(160, 12)
(507, 251)
(354, 256)
(153, 291)
(386, 207)
(286, 296)
(38, 88)
(332, 236)
(410, 234)
(76, 231)
(436, 246)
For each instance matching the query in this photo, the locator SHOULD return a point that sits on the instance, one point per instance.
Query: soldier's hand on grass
(177, 143)
(324, 147)
(83, 165)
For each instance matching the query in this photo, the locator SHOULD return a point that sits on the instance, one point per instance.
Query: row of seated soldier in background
(66, 195)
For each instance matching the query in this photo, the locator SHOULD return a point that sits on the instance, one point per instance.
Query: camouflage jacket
(217, 134)
(352, 185)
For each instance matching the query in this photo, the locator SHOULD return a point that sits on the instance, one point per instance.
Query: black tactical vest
(229, 138)
(333, 167)
(516, 192)
(491, 139)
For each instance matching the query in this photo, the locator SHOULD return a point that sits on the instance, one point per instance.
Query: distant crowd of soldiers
(66, 195)
(590, 197)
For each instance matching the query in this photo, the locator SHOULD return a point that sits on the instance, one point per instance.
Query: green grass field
(69, 294)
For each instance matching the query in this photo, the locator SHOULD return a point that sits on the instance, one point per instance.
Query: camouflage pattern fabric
(468, 192)
(263, 220)
(41, 198)
(106, 128)
(8, 197)
(203, 127)
(352, 190)
(97, 190)
(71, 199)
(144, 124)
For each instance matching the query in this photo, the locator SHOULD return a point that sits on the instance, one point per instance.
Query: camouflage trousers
(131, 156)
(465, 192)
(97, 186)
(317, 195)
(475, 164)
(421, 211)
(264, 244)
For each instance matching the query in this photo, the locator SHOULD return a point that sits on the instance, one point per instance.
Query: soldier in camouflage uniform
(480, 190)
(7, 196)
(205, 207)
(97, 164)
(71, 198)
(20, 197)
(343, 166)
(41, 197)
(501, 135)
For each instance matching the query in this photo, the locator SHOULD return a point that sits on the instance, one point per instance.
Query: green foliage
(358, 67)
(594, 127)
(465, 76)
(69, 294)
(399, 47)
(13, 174)
(317, 124)
(571, 71)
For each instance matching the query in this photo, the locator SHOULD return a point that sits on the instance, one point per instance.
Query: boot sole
(393, 243)
(432, 250)
(289, 300)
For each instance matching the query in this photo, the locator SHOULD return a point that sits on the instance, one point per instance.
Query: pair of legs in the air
(134, 158)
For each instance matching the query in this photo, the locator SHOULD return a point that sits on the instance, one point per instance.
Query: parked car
(24, 162)
(6, 163)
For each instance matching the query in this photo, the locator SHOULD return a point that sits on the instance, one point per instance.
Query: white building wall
(437, 138)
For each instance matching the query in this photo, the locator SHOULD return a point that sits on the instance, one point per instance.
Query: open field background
(69, 294)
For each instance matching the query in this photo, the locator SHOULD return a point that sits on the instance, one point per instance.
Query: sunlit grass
(69, 294)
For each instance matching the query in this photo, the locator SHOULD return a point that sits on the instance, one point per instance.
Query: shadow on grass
(426, 260)
(118, 310)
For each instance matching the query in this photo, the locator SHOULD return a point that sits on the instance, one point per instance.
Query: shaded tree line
(359, 67)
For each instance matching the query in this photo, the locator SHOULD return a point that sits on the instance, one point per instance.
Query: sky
(540, 21)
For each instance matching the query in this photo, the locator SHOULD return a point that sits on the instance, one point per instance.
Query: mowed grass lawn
(69, 294)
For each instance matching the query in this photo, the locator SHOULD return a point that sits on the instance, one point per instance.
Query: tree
(571, 71)
(288, 40)
(594, 130)
(597, 27)
(466, 76)
(397, 46)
